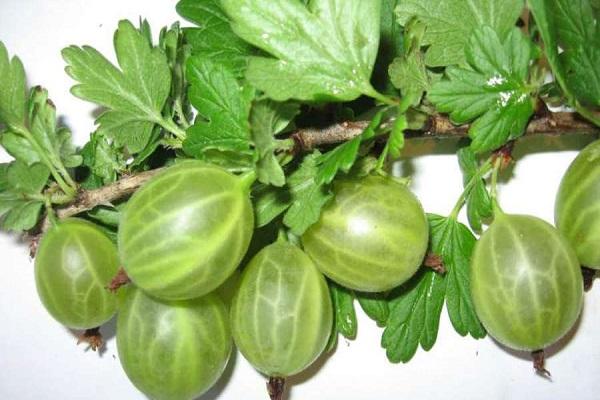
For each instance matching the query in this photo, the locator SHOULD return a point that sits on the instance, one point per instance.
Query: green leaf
(268, 119)
(31, 135)
(223, 110)
(391, 44)
(27, 179)
(479, 203)
(454, 242)
(409, 74)
(414, 318)
(342, 158)
(396, 139)
(12, 89)
(323, 51)
(450, 24)
(415, 307)
(307, 196)
(134, 94)
(375, 305)
(214, 39)
(494, 91)
(103, 159)
(106, 215)
(343, 309)
(571, 25)
(269, 203)
(45, 143)
(20, 187)
(172, 43)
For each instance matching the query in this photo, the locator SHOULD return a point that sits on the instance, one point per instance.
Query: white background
(39, 358)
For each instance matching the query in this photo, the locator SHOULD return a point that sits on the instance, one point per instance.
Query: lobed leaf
(571, 34)
(479, 203)
(134, 94)
(321, 51)
(450, 24)
(414, 316)
(268, 119)
(454, 243)
(375, 305)
(494, 90)
(12, 89)
(214, 39)
(308, 196)
(223, 110)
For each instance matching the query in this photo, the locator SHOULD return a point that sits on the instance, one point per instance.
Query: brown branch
(438, 126)
(307, 139)
(89, 199)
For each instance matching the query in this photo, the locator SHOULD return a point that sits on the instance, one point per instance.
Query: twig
(560, 123)
(438, 126)
(89, 199)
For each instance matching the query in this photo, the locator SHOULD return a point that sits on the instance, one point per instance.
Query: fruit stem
(480, 174)
(248, 179)
(494, 187)
(276, 387)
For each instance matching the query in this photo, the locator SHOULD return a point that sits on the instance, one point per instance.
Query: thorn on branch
(588, 275)
(93, 338)
(539, 361)
(34, 243)
(435, 262)
(504, 154)
(119, 280)
(276, 387)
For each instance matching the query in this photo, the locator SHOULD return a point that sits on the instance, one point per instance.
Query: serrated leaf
(13, 91)
(396, 139)
(571, 34)
(214, 39)
(26, 179)
(23, 216)
(223, 110)
(479, 203)
(307, 195)
(267, 119)
(134, 94)
(450, 24)
(343, 311)
(19, 183)
(321, 51)
(454, 242)
(19, 147)
(493, 91)
(391, 44)
(415, 310)
(103, 159)
(409, 74)
(375, 305)
(269, 203)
